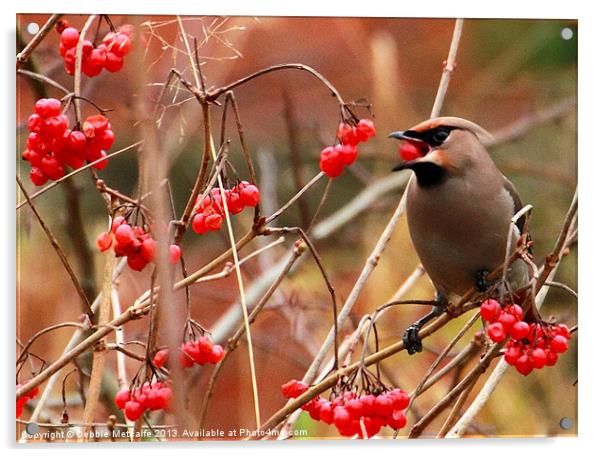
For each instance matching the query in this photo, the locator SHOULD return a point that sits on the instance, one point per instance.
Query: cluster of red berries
(201, 352)
(353, 414)
(133, 242)
(24, 399)
(539, 348)
(210, 215)
(334, 159)
(530, 346)
(51, 145)
(503, 321)
(411, 150)
(108, 55)
(152, 396)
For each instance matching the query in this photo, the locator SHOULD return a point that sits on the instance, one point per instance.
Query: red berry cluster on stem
(200, 352)
(503, 321)
(24, 399)
(539, 348)
(353, 414)
(530, 346)
(133, 242)
(108, 55)
(210, 214)
(334, 159)
(51, 146)
(150, 396)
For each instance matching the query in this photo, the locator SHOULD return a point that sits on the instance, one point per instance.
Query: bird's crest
(483, 135)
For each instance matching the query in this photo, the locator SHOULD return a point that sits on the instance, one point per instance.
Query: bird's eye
(440, 136)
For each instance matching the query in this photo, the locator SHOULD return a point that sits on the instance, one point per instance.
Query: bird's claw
(480, 282)
(412, 340)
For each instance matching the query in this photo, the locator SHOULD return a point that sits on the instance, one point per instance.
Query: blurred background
(516, 78)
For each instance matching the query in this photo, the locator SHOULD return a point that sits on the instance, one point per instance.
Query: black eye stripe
(437, 136)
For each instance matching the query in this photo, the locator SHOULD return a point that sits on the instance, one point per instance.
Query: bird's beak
(406, 135)
(404, 165)
(414, 137)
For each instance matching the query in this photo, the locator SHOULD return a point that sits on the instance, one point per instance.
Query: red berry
(204, 344)
(121, 398)
(552, 358)
(217, 354)
(347, 134)
(409, 150)
(365, 130)
(198, 224)
(104, 241)
(213, 222)
(519, 330)
(37, 176)
(35, 122)
(341, 417)
(524, 365)
(98, 57)
(507, 320)
(400, 398)
(331, 163)
(490, 309)
(69, 37)
(113, 62)
(185, 359)
(160, 358)
(397, 420)
(136, 261)
(512, 355)
(249, 195)
(368, 404)
(516, 311)
(373, 425)
(559, 344)
(48, 107)
(347, 153)
(164, 397)
(563, 330)
(105, 139)
(496, 332)
(383, 406)
(148, 248)
(293, 388)
(119, 43)
(174, 253)
(124, 234)
(539, 358)
(116, 223)
(235, 203)
(133, 410)
(326, 412)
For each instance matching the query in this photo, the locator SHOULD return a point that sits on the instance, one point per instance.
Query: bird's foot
(412, 340)
(480, 281)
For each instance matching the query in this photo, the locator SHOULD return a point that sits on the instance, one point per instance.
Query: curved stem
(214, 94)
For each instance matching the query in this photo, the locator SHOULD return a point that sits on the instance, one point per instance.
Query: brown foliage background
(507, 69)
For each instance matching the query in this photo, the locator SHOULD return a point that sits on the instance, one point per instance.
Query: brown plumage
(459, 209)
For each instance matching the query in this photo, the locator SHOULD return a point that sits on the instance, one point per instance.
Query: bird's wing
(518, 205)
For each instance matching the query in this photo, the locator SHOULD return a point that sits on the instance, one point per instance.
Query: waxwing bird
(459, 209)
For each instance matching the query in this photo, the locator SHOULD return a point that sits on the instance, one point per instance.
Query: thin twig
(57, 247)
(23, 56)
(233, 341)
(79, 170)
(450, 65)
(243, 303)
